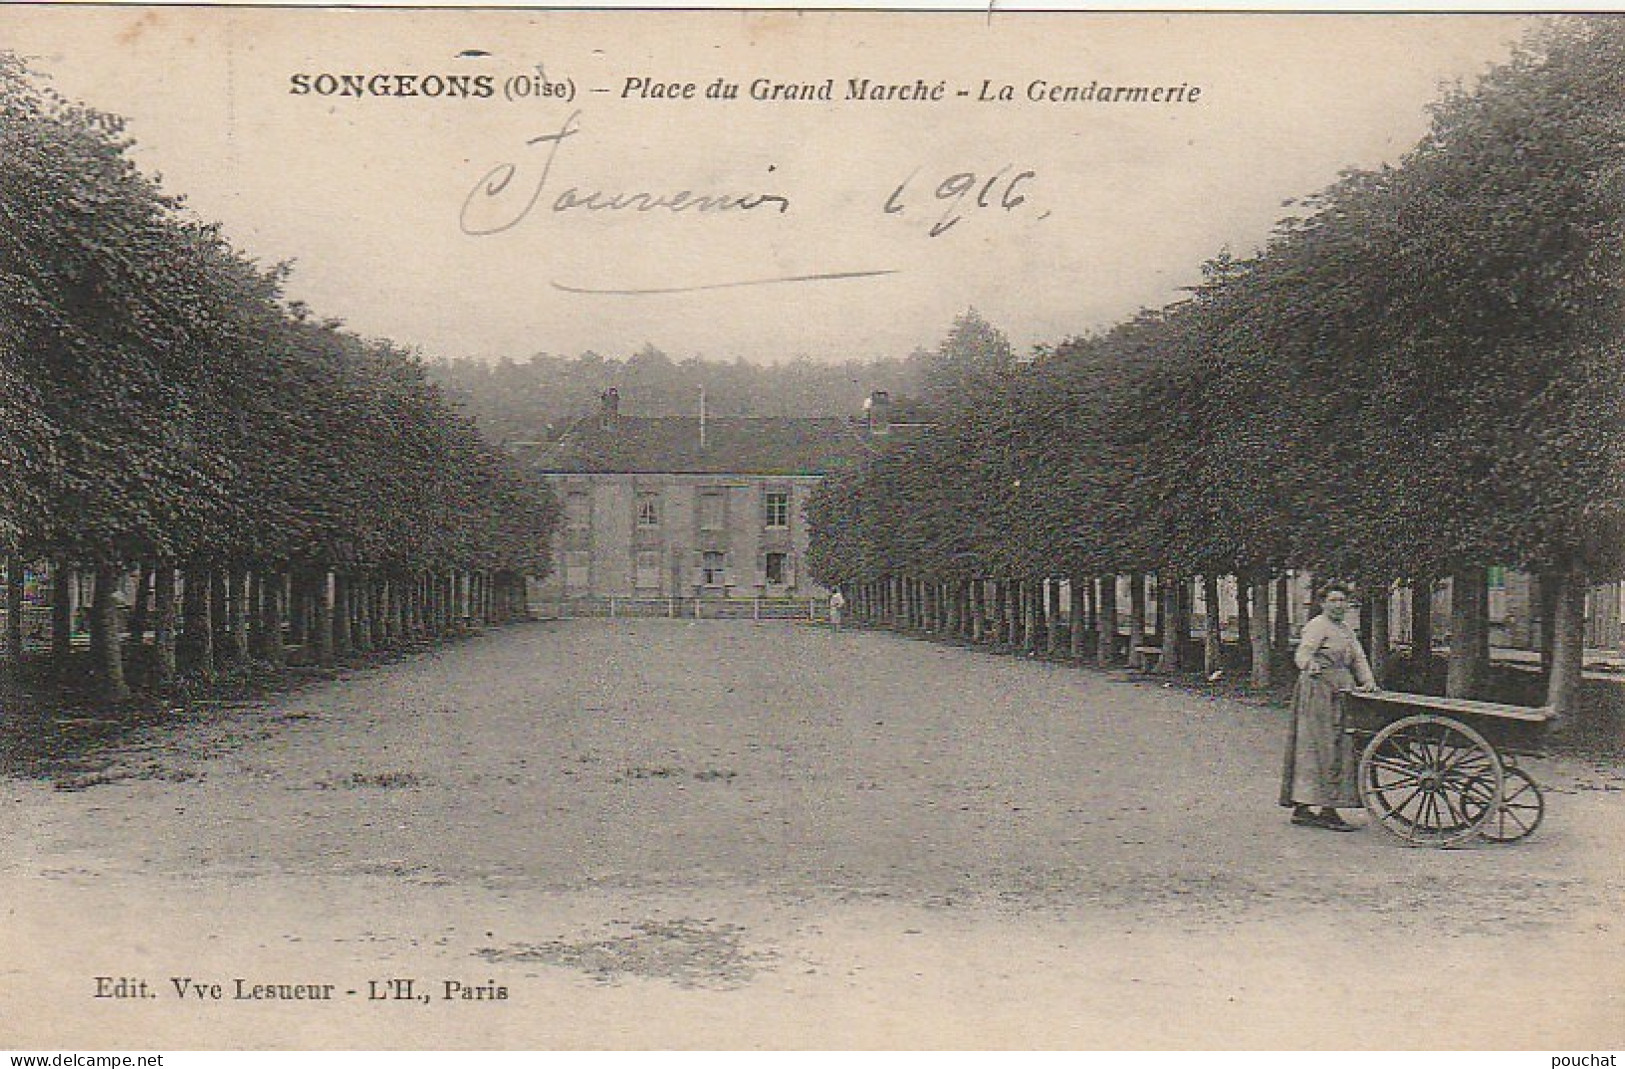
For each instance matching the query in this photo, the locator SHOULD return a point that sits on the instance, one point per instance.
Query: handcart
(1441, 771)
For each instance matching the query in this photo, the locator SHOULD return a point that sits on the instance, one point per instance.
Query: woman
(1320, 766)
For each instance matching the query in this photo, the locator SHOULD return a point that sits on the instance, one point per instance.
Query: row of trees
(165, 409)
(1421, 375)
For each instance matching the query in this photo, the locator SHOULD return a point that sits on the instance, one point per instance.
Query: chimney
(609, 408)
(878, 409)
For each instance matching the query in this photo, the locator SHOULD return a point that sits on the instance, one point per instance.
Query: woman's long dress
(1320, 759)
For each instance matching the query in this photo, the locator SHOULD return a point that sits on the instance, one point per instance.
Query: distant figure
(1319, 768)
(836, 603)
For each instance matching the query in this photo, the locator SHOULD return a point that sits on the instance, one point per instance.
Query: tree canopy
(163, 401)
(1421, 370)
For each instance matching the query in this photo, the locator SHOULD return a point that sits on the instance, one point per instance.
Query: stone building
(692, 507)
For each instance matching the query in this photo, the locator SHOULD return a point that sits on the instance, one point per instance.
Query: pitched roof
(733, 445)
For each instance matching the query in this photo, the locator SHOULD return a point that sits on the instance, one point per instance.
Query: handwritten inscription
(508, 193)
(1000, 191)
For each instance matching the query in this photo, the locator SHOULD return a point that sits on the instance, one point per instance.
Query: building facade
(682, 534)
(681, 507)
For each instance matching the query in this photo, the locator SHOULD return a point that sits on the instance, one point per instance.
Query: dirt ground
(677, 834)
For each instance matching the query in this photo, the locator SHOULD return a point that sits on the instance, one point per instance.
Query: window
(577, 510)
(577, 520)
(648, 570)
(778, 566)
(713, 569)
(711, 511)
(648, 510)
(577, 571)
(778, 509)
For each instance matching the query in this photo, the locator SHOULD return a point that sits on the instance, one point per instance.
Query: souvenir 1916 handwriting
(508, 194)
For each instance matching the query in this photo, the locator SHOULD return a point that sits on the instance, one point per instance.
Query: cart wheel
(1521, 809)
(1430, 781)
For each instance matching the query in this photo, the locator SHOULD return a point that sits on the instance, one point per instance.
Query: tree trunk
(16, 577)
(1213, 645)
(237, 614)
(105, 634)
(256, 617)
(361, 598)
(197, 630)
(1466, 677)
(1053, 616)
(1012, 617)
(63, 592)
(1422, 626)
(383, 623)
(1075, 622)
(163, 623)
(1244, 613)
(273, 593)
(1168, 590)
(1136, 620)
(220, 613)
(1548, 584)
(1032, 600)
(1283, 615)
(412, 622)
(1261, 674)
(1106, 642)
(321, 601)
(140, 606)
(1568, 642)
(978, 611)
(1377, 653)
(138, 660)
(387, 621)
(343, 615)
(296, 607)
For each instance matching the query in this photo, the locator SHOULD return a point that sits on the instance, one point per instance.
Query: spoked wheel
(1521, 809)
(1430, 781)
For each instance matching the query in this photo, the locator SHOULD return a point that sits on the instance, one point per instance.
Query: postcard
(668, 803)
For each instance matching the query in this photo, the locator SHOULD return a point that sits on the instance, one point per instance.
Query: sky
(468, 226)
